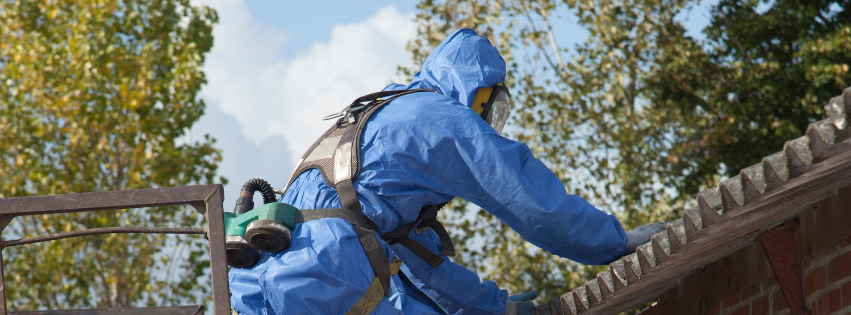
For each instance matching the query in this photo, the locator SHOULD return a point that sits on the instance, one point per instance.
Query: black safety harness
(337, 156)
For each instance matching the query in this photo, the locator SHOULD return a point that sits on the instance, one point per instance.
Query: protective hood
(460, 65)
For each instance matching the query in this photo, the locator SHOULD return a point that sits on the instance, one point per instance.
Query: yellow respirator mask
(492, 104)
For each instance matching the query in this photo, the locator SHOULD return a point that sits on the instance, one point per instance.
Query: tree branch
(552, 39)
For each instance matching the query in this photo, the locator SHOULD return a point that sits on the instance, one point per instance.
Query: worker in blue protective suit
(425, 149)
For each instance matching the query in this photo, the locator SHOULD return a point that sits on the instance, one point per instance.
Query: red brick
(750, 292)
(839, 268)
(744, 310)
(760, 306)
(767, 284)
(846, 295)
(715, 309)
(846, 242)
(779, 301)
(814, 281)
(730, 301)
(807, 264)
(829, 302)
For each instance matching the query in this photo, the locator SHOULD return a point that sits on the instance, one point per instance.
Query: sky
(278, 67)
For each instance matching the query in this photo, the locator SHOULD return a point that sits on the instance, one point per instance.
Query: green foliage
(640, 117)
(93, 97)
(761, 79)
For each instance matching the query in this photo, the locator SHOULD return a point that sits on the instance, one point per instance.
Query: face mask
(492, 104)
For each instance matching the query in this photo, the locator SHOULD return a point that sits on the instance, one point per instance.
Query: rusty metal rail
(118, 229)
(206, 199)
(168, 310)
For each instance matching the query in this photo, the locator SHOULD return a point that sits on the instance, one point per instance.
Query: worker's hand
(641, 235)
(521, 304)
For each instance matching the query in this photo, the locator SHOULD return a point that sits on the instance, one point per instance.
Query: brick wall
(827, 280)
(827, 288)
(764, 298)
(743, 282)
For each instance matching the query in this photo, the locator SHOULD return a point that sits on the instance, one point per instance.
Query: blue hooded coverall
(422, 149)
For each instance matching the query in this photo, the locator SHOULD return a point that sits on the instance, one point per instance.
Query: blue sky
(277, 67)
(306, 29)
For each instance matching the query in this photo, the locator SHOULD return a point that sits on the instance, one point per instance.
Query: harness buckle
(422, 228)
(395, 265)
(349, 113)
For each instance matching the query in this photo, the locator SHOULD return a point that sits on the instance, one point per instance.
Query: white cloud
(270, 94)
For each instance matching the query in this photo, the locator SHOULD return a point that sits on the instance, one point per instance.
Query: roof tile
(824, 139)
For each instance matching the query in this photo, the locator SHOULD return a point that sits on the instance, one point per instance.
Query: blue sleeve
(453, 151)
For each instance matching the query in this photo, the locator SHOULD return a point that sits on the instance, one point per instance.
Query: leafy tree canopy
(94, 96)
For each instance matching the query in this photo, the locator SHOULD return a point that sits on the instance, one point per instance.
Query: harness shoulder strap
(337, 156)
(337, 153)
(375, 255)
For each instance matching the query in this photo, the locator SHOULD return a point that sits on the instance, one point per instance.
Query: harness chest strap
(364, 228)
(358, 220)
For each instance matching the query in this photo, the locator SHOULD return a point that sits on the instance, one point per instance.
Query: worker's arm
(461, 155)
(521, 191)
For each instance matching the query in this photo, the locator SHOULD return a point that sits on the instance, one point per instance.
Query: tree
(95, 96)
(640, 117)
(757, 82)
